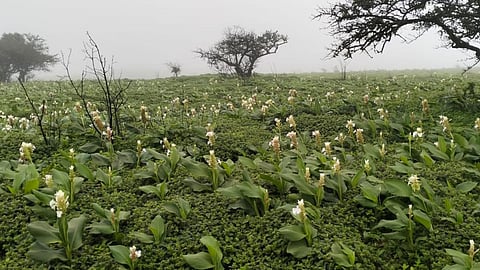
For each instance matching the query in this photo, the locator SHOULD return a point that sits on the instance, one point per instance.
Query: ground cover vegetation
(277, 172)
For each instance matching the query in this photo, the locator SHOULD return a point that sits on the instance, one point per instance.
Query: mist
(143, 35)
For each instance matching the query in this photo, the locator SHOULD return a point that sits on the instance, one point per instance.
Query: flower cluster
(417, 134)
(26, 150)
(293, 139)
(316, 135)
(275, 144)
(59, 203)
(359, 135)
(291, 122)
(210, 135)
(414, 182)
(134, 253)
(445, 122)
(299, 211)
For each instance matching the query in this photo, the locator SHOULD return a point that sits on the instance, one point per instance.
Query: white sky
(143, 35)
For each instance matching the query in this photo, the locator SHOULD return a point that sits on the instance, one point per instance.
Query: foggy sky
(143, 35)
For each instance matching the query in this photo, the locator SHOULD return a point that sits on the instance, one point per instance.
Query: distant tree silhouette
(21, 54)
(239, 51)
(368, 25)
(175, 68)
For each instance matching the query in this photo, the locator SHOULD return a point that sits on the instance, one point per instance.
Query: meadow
(379, 171)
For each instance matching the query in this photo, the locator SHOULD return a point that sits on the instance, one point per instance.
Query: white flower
(134, 253)
(59, 203)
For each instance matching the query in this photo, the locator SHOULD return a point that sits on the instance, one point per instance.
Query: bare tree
(239, 51)
(175, 68)
(112, 90)
(365, 26)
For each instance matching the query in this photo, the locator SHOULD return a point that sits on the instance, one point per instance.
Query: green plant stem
(410, 232)
(214, 178)
(307, 228)
(255, 207)
(340, 186)
(63, 230)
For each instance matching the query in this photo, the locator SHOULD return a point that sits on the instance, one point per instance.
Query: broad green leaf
(101, 228)
(100, 160)
(43, 253)
(213, 248)
(31, 185)
(142, 237)
(200, 260)
(158, 228)
(394, 225)
(365, 202)
(356, 179)
(370, 192)
(466, 187)
(427, 159)
(402, 168)
(248, 163)
(99, 210)
(436, 152)
(460, 140)
(422, 218)
(196, 169)
(292, 232)
(84, 171)
(304, 187)
(459, 257)
(398, 187)
(61, 179)
(89, 148)
(121, 254)
(342, 255)
(44, 232)
(75, 231)
(299, 249)
(195, 185)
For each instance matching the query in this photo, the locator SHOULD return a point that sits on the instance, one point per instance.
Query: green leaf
(196, 169)
(89, 148)
(158, 228)
(422, 218)
(402, 168)
(292, 232)
(398, 187)
(75, 231)
(200, 260)
(459, 257)
(44, 232)
(84, 171)
(31, 185)
(342, 255)
(213, 249)
(195, 185)
(436, 152)
(61, 179)
(142, 237)
(460, 140)
(101, 228)
(43, 253)
(121, 254)
(246, 162)
(427, 159)
(466, 187)
(299, 249)
(100, 160)
(99, 210)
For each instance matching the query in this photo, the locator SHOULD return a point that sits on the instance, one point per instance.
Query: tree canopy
(239, 51)
(368, 25)
(22, 54)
